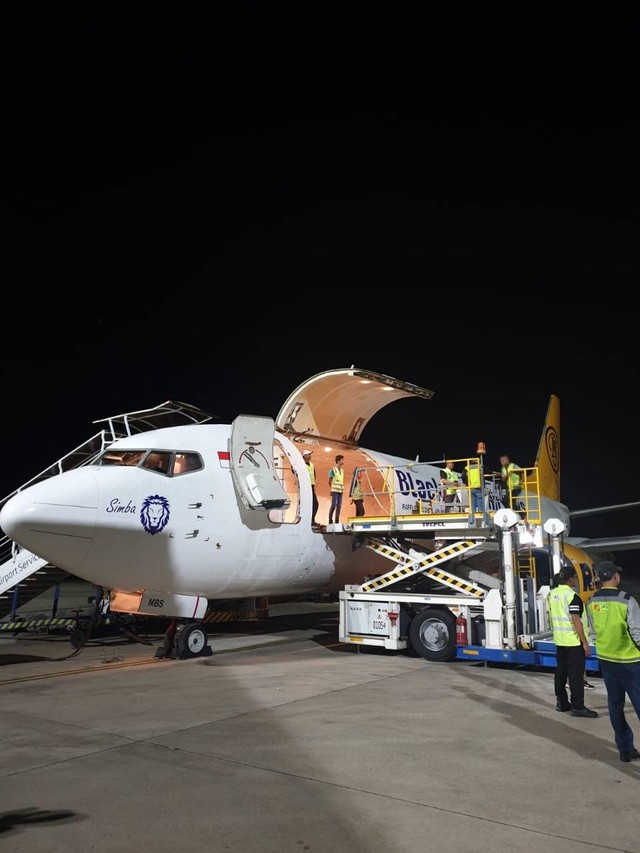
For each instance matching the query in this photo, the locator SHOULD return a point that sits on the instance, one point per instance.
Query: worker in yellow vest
(451, 478)
(511, 477)
(572, 647)
(357, 494)
(474, 481)
(336, 487)
(615, 617)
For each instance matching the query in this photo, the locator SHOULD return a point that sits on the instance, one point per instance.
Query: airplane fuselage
(132, 528)
(127, 524)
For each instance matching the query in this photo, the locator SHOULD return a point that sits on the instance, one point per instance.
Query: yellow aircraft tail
(548, 458)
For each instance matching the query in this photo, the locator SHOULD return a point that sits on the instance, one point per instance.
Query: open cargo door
(337, 405)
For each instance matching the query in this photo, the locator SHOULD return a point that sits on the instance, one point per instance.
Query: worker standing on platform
(473, 479)
(336, 487)
(572, 646)
(615, 616)
(311, 469)
(357, 495)
(452, 479)
(511, 478)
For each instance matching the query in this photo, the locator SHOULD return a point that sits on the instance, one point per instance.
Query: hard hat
(307, 452)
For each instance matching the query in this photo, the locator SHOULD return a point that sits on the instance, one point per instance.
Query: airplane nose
(55, 519)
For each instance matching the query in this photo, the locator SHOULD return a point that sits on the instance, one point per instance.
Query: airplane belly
(209, 560)
(286, 563)
(263, 563)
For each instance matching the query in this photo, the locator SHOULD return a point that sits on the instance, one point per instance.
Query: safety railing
(416, 488)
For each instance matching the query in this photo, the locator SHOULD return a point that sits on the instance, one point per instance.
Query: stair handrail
(59, 467)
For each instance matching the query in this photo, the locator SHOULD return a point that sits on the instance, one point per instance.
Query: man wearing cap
(306, 455)
(572, 646)
(615, 616)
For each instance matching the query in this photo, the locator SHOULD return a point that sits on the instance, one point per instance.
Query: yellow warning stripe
(458, 584)
(382, 581)
(36, 623)
(438, 557)
(386, 551)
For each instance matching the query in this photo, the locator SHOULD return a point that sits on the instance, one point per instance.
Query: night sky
(213, 202)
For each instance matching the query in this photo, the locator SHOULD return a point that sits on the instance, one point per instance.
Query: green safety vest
(510, 474)
(357, 493)
(336, 475)
(312, 472)
(564, 634)
(453, 477)
(609, 619)
(473, 476)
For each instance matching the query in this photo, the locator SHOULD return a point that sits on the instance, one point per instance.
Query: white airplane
(170, 520)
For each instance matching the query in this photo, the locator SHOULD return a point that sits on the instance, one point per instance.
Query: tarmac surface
(286, 740)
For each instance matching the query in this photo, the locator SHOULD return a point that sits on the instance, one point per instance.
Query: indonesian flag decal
(224, 458)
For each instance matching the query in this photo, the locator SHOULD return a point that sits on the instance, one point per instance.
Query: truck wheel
(433, 634)
(191, 641)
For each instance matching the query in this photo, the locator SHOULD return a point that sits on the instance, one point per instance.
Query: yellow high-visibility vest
(453, 477)
(511, 476)
(336, 475)
(564, 634)
(312, 472)
(473, 476)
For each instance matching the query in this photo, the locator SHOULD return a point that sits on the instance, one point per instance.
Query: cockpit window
(160, 461)
(186, 462)
(121, 457)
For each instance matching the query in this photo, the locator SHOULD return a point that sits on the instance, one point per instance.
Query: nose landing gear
(182, 642)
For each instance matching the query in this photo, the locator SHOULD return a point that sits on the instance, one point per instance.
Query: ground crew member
(357, 495)
(473, 480)
(512, 480)
(615, 617)
(572, 646)
(450, 476)
(510, 476)
(336, 487)
(306, 455)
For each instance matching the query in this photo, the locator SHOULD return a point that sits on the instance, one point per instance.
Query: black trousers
(570, 662)
(315, 504)
(359, 505)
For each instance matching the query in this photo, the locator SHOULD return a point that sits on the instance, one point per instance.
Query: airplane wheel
(433, 634)
(191, 641)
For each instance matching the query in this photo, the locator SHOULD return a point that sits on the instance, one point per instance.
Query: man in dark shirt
(572, 647)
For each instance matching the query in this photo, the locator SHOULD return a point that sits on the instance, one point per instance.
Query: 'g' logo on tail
(548, 458)
(552, 442)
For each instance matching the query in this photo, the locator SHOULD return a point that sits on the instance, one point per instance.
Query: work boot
(631, 755)
(561, 707)
(583, 712)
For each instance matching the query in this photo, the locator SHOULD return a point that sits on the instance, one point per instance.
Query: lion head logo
(154, 514)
